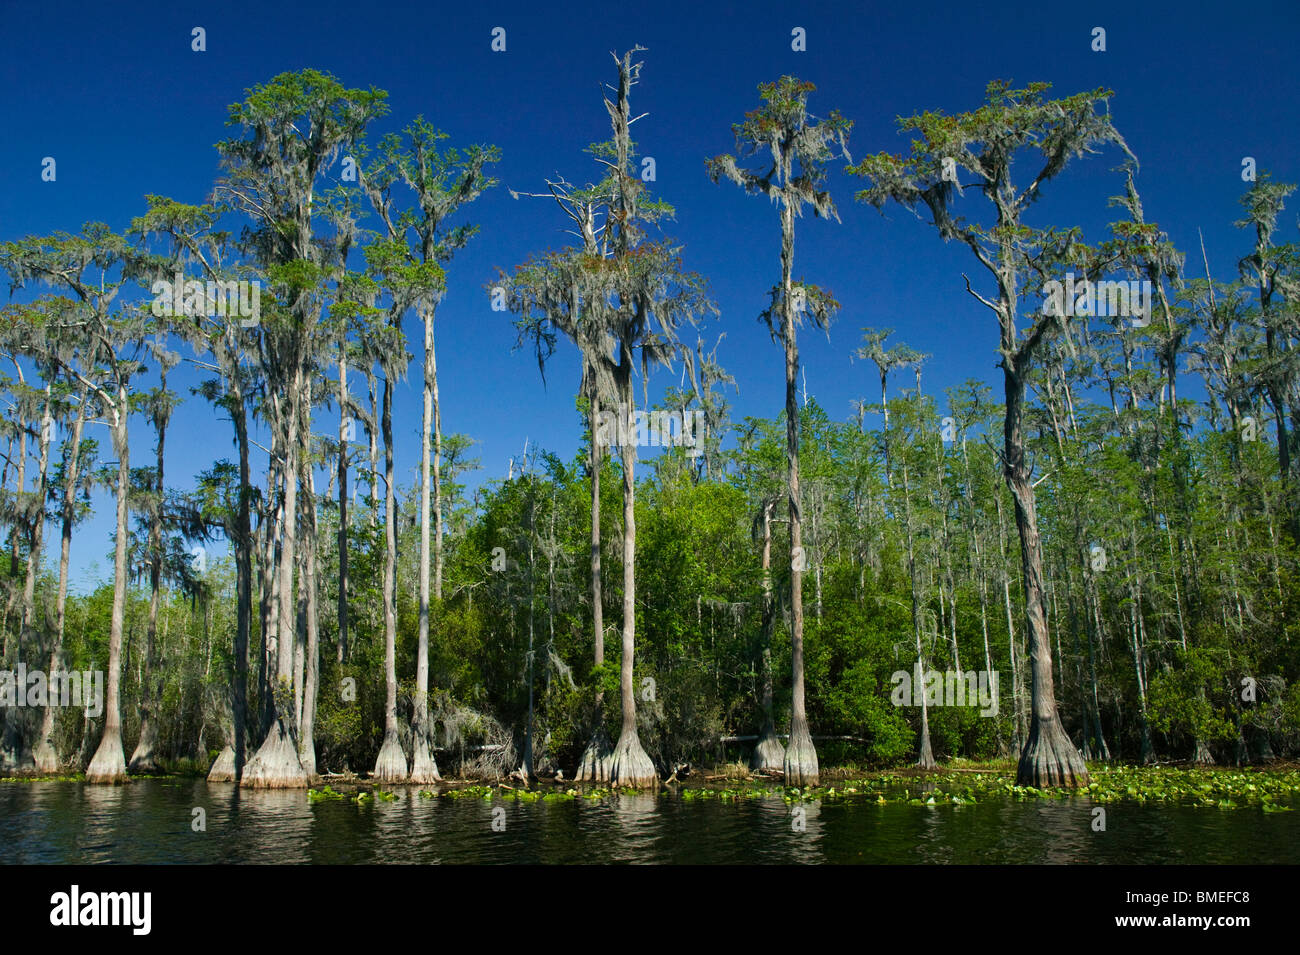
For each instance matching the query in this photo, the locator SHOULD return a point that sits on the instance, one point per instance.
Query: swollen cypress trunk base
(925, 759)
(424, 768)
(1260, 748)
(1050, 759)
(46, 756)
(109, 763)
(223, 767)
(307, 756)
(1203, 756)
(276, 765)
(88, 739)
(143, 761)
(1096, 751)
(801, 757)
(597, 759)
(630, 766)
(391, 764)
(769, 754)
(1146, 750)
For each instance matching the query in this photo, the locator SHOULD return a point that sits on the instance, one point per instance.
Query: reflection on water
(150, 821)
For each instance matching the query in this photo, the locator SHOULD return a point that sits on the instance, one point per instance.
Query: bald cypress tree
(292, 128)
(34, 406)
(621, 298)
(441, 181)
(158, 405)
(798, 147)
(70, 483)
(93, 267)
(984, 144)
(1270, 271)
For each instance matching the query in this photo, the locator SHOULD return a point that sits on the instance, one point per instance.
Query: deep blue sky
(126, 108)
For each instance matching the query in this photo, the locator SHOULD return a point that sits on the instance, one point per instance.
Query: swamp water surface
(150, 821)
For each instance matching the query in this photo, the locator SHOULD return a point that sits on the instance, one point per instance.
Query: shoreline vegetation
(1273, 788)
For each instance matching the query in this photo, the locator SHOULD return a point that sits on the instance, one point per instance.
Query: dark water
(150, 821)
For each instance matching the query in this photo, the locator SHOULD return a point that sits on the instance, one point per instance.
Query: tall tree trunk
(769, 754)
(526, 768)
(15, 543)
(391, 762)
(272, 530)
(46, 756)
(594, 765)
(230, 767)
(1092, 626)
(374, 452)
(13, 547)
(343, 503)
(311, 680)
(306, 521)
(109, 762)
(303, 514)
(424, 769)
(1049, 758)
(884, 434)
(800, 755)
(925, 752)
(629, 765)
(144, 759)
(300, 622)
(16, 751)
(11, 733)
(1146, 751)
(439, 525)
(276, 764)
(1017, 722)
